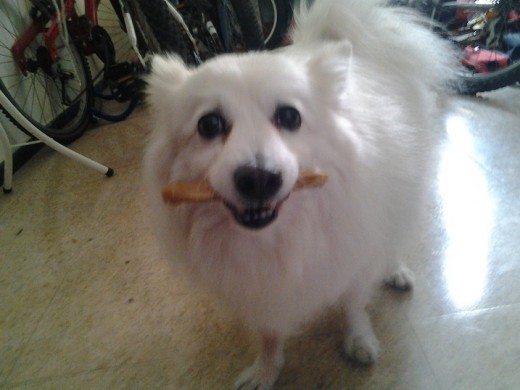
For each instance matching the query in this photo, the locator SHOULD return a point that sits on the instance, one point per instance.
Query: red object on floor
(484, 61)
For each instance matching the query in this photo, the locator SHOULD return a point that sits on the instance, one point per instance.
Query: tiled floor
(88, 303)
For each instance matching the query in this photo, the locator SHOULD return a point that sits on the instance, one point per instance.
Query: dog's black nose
(256, 184)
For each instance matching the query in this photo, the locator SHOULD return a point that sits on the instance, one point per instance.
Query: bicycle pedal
(120, 71)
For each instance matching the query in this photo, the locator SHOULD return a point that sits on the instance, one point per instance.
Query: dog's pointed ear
(168, 73)
(330, 65)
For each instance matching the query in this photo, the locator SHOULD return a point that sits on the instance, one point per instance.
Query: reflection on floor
(87, 301)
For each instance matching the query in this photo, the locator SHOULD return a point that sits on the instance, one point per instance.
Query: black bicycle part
(168, 33)
(275, 18)
(103, 45)
(122, 69)
(248, 17)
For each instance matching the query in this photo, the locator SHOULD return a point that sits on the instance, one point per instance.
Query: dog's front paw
(362, 349)
(256, 377)
(263, 373)
(401, 279)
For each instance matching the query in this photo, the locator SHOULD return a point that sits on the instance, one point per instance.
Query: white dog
(353, 97)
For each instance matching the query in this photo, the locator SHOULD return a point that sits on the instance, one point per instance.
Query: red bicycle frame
(51, 33)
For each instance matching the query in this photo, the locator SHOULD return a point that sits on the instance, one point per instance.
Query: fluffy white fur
(363, 78)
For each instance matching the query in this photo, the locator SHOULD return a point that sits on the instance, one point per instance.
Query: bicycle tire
(248, 18)
(280, 11)
(61, 113)
(110, 17)
(168, 33)
(486, 82)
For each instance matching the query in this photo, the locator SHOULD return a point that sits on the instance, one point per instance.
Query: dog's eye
(288, 118)
(211, 125)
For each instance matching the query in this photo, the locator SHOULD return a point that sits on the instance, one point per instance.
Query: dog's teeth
(255, 215)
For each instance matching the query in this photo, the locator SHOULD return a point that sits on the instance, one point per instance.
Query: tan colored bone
(201, 191)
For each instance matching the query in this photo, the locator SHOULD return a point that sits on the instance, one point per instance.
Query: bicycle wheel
(55, 96)
(275, 17)
(167, 32)
(110, 17)
(484, 82)
(248, 17)
(486, 35)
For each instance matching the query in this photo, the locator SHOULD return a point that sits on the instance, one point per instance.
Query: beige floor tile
(45, 223)
(315, 359)
(474, 350)
(172, 373)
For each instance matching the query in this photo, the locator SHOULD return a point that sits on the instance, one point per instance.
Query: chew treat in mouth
(201, 191)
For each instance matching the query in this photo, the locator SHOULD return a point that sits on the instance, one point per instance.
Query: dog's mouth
(254, 216)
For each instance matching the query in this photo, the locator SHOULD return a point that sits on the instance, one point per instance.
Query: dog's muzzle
(257, 188)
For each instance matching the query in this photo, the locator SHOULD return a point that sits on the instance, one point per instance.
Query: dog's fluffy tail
(333, 20)
(394, 35)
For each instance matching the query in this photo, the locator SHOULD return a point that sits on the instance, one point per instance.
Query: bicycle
(46, 46)
(45, 71)
(275, 17)
(487, 34)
